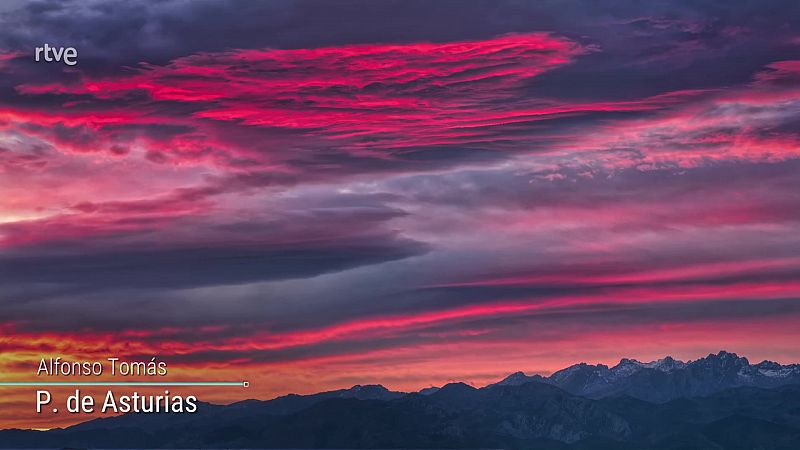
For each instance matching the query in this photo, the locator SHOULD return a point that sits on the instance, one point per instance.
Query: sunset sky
(310, 195)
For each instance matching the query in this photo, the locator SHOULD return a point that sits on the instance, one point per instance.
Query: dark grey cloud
(202, 266)
(189, 252)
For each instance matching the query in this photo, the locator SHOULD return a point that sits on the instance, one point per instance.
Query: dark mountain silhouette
(518, 412)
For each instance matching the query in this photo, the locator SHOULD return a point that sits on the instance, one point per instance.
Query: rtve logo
(68, 56)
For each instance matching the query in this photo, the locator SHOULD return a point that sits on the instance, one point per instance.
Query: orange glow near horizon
(408, 369)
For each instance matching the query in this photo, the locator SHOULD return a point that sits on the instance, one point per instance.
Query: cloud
(199, 266)
(168, 246)
(310, 108)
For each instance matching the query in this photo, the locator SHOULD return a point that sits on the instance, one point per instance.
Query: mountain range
(719, 402)
(665, 379)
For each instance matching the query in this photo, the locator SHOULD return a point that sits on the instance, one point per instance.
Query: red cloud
(363, 96)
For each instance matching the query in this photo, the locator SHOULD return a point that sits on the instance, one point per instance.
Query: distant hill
(719, 402)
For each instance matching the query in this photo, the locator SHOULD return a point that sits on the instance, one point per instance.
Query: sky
(311, 194)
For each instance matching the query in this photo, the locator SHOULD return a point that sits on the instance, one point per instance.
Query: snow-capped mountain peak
(667, 364)
(518, 378)
(774, 370)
